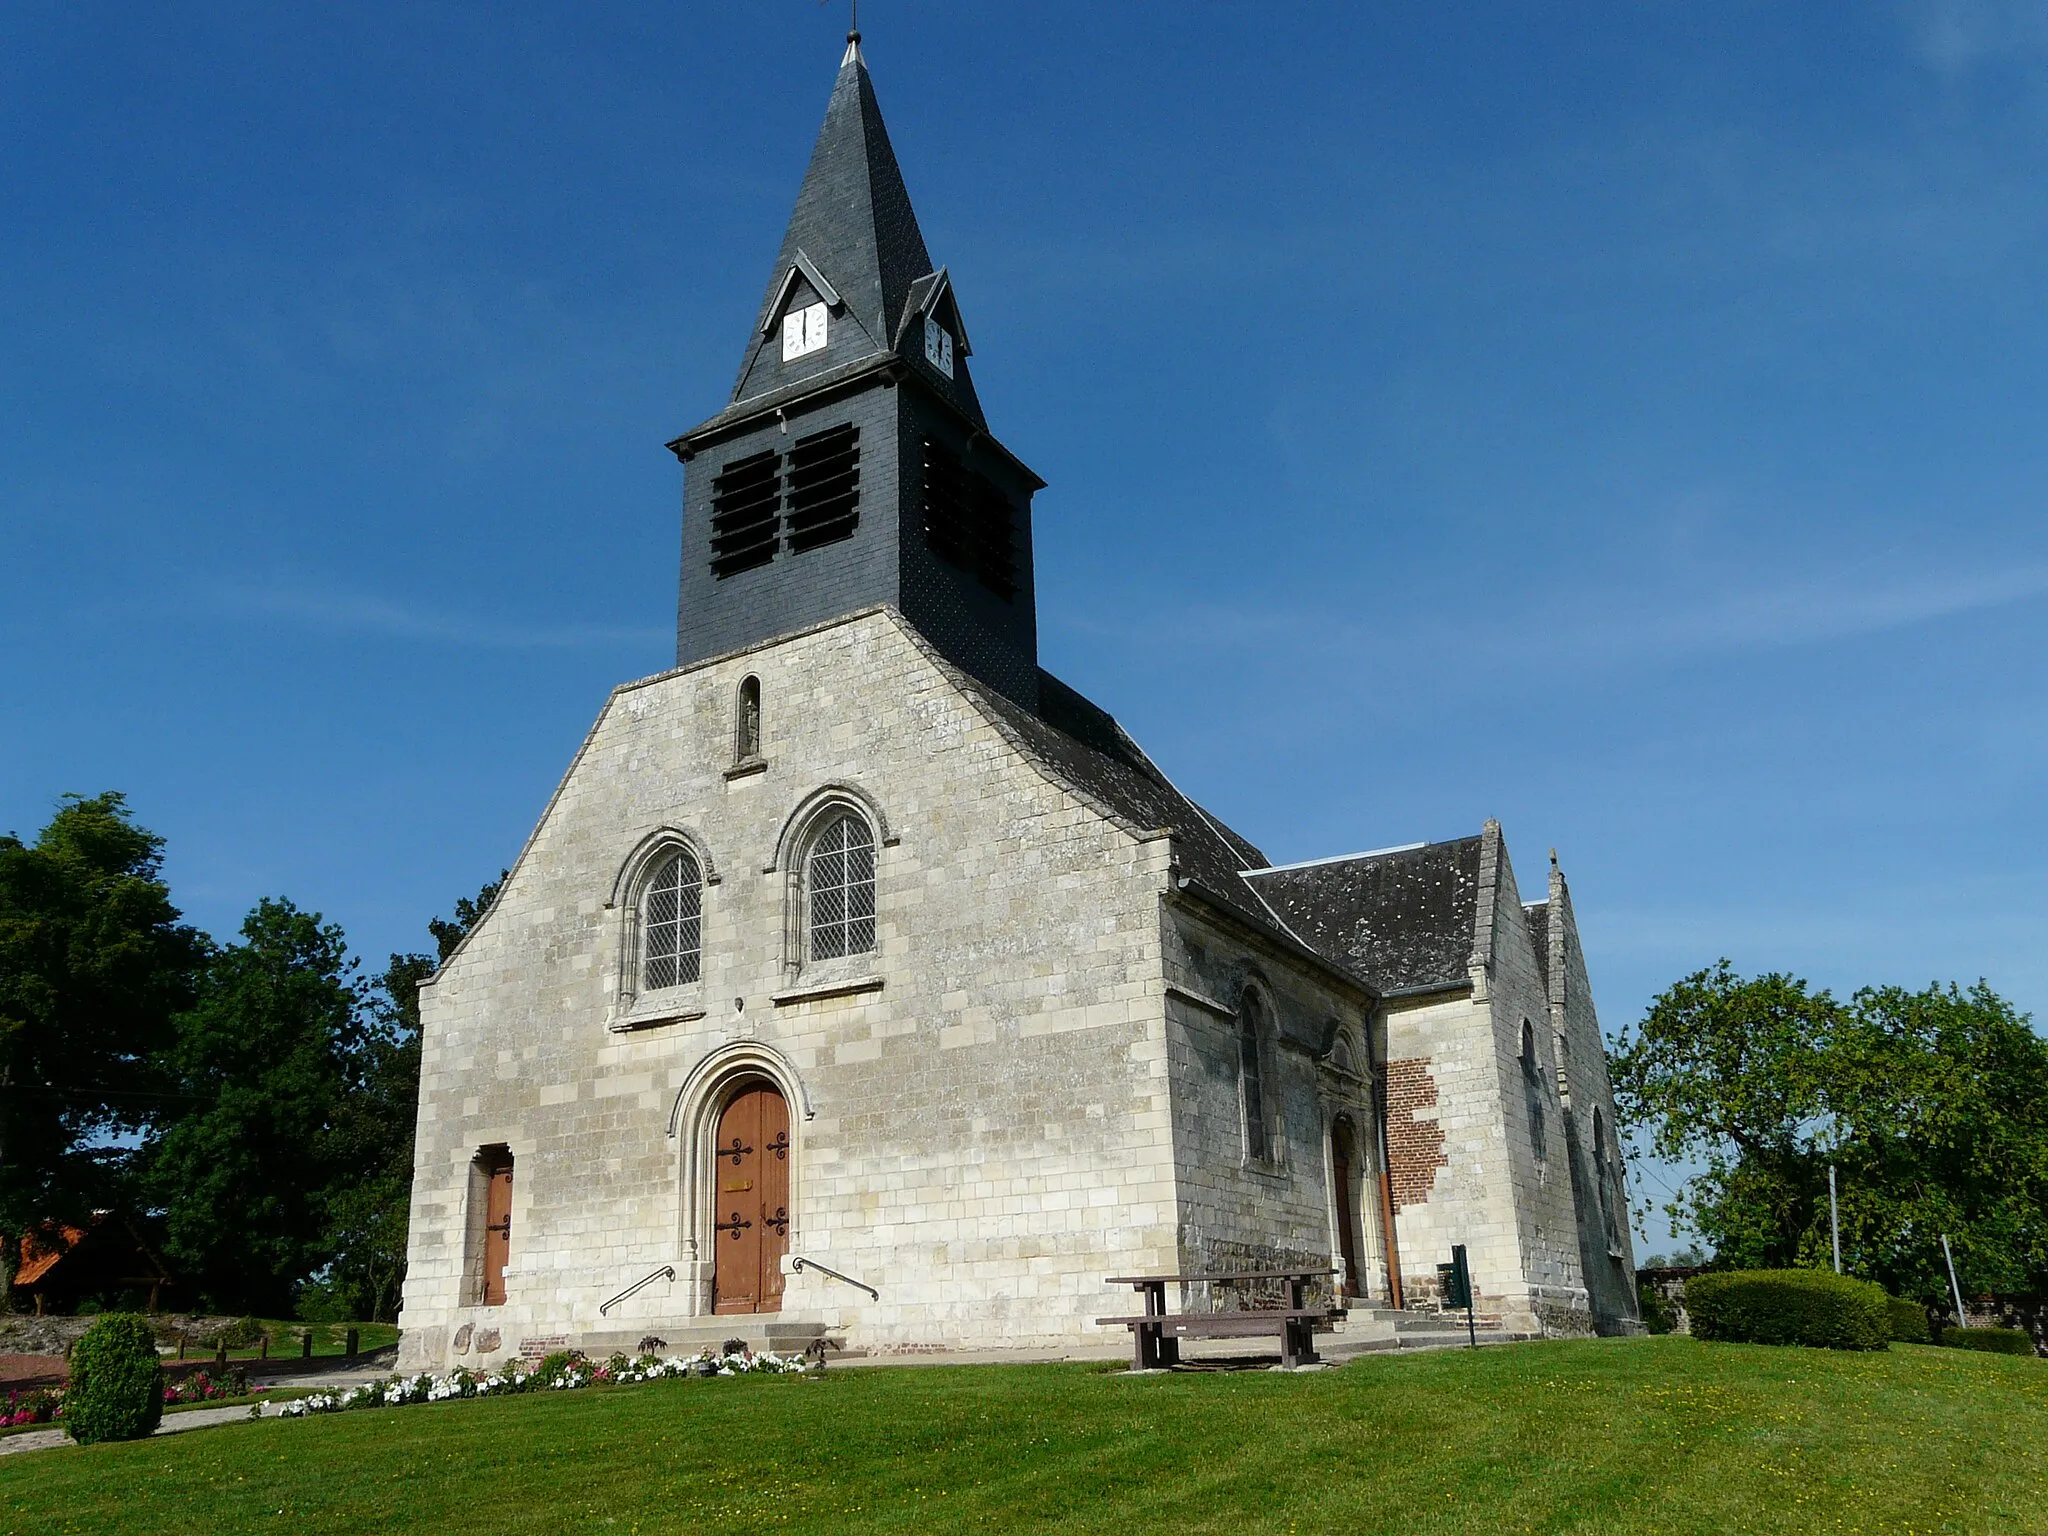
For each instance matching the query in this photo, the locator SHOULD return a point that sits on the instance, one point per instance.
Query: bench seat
(1156, 1336)
(1223, 1324)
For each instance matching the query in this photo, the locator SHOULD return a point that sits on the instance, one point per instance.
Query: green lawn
(1651, 1435)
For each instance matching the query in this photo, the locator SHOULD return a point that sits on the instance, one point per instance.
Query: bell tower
(852, 464)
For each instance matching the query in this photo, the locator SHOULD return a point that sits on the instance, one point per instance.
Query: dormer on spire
(850, 258)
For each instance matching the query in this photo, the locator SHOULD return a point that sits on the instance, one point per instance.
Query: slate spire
(853, 466)
(853, 225)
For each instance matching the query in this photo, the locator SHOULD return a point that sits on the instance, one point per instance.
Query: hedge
(1650, 1303)
(1996, 1341)
(1814, 1307)
(1909, 1323)
(116, 1389)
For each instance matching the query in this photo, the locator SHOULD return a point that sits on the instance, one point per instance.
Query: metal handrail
(667, 1271)
(799, 1265)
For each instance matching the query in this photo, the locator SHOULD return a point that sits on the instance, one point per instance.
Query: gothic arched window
(839, 889)
(1532, 1091)
(672, 923)
(1604, 1181)
(1251, 1076)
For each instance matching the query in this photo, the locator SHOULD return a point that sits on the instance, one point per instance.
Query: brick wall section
(1415, 1146)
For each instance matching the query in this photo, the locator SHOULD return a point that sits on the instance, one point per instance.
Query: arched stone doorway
(750, 1199)
(1344, 1169)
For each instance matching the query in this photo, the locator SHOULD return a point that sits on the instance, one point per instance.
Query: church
(864, 981)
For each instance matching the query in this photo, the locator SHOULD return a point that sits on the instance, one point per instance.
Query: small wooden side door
(497, 1231)
(1347, 1220)
(751, 1212)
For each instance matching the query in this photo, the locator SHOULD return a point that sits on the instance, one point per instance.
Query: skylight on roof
(1336, 858)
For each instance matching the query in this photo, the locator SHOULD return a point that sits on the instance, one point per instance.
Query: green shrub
(1815, 1307)
(1650, 1301)
(1996, 1341)
(1909, 1322)
(116, 1391)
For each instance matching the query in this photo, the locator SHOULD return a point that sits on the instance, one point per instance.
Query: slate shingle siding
(854, 224)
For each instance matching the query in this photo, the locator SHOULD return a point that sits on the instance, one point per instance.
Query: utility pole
(1954, 1289)
(1834, 1219)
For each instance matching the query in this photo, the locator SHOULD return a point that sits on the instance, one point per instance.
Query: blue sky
(1623, 420)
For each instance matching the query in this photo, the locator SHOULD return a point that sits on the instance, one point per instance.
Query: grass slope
(1653, 1435)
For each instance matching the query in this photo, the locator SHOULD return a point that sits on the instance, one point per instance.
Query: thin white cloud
(1953, 37)
(1813, 611)
(1816, 610)
(366, 613)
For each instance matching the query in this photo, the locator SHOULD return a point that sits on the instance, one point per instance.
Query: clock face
(803, 332)
(938, 346)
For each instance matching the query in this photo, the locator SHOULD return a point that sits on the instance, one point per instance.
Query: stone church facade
(863, 980)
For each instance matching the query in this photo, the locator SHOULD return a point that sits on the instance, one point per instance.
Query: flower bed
(40, 1405)
(563, 1372)
(201, 1387)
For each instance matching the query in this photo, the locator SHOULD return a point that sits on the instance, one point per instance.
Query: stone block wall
(979, 1111)
(1608, 1259)
(1449, 1161)
(1240, 1206)
(1536, 1157)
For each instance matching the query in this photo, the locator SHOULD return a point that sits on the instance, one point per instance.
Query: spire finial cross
(853, 23)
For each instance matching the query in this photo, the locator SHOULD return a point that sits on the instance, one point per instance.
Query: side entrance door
(1341, 1149)
(497, 1227)
(751, 1214)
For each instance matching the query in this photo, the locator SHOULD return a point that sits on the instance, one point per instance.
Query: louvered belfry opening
(824, 488)
(746, 506)
(968, 521)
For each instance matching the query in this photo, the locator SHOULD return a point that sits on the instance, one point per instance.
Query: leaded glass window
(839, 884)
(1251, 1073)
(672, 924)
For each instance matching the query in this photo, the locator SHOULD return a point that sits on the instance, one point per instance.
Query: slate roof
(1081, 745)
(1403, 919)
(853, 215)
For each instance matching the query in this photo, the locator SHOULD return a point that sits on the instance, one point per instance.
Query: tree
(265, 1061)
(1932, 1106)
(94, 965)
(368, 1212)
(1940, 1104)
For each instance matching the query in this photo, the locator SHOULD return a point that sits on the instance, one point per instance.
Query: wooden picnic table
(1156, 1333)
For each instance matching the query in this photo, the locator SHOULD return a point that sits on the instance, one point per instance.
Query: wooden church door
(497, 1227)
(751, 1219)
(1347, 1221)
